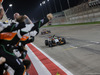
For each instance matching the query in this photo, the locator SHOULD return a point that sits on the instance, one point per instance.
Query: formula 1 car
(54, 40)
(45, 32)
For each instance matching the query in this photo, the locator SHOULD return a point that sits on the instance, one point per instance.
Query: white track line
(87, 45)
(40, 68)
(59, 65)
(95, 42)
(73, 46)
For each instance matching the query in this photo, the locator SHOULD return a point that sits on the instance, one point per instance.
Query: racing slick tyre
(46, 42)
(50, 44)
(63, 40)
(49, 31)
(41, 33)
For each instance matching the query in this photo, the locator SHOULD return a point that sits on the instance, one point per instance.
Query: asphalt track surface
(81, 55)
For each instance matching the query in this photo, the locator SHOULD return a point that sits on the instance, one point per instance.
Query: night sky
(33, 9)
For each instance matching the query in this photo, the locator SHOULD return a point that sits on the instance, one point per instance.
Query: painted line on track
(87, 45)
(74, 47)
(96, 42)
(32, 70)
(71, 47)
(40, 68)
(52, 66)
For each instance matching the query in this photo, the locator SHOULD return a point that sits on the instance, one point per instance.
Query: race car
(45, 32)
(54, 40)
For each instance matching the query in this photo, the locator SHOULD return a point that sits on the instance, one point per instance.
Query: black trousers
(12, 61)
(1, 69)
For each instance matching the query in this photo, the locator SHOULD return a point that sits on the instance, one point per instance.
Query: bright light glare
(43, 2)
(10, 5)
(40, 4)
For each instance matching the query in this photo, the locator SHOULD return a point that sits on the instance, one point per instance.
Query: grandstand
(79, 14)
(59, 18)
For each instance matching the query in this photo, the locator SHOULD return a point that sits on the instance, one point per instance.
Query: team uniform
(5, 37)
(8, 39)
(10, 71)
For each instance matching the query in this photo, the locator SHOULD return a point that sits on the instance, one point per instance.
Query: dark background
(33, 9)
